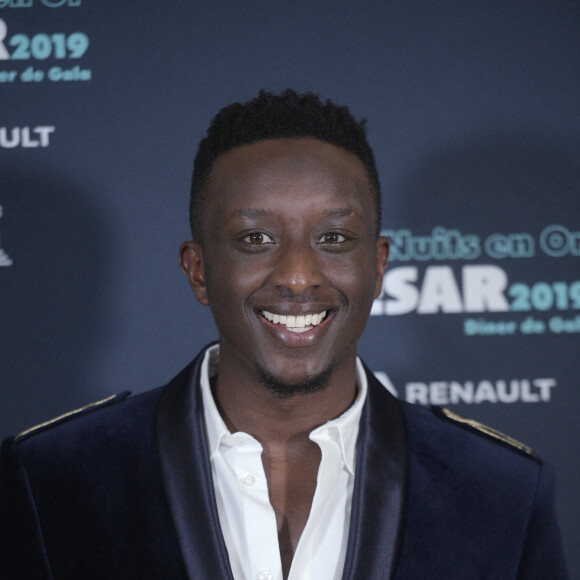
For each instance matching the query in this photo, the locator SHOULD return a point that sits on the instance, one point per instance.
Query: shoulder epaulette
(489, 432)
(75, 412)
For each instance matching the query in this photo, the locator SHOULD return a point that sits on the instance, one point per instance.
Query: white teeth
(296, 323)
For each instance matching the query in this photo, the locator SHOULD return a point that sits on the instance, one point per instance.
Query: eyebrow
(249, 213)
(338, 212)
(253, 213)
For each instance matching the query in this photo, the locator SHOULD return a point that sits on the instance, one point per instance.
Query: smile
(300, 323)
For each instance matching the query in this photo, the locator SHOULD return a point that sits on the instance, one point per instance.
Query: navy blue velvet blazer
(123, 489)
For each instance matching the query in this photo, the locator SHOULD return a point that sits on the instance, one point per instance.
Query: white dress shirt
(246, 516)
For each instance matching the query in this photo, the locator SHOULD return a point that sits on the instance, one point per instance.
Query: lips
(300, 323)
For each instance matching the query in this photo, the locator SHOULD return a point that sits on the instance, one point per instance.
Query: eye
(332, 238)
(258, 238)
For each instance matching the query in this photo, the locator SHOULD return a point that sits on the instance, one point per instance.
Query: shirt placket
(304, 565)
(259, 545)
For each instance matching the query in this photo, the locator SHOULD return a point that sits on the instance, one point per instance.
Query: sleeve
(22, 551)
(543, 554)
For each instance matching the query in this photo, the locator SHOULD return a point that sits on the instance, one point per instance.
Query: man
(276, 454)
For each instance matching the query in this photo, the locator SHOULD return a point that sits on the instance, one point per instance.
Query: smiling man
(276, 454)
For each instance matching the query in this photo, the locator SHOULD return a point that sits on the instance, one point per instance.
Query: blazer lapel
(379, 489)
(378, 497)
(187, 476)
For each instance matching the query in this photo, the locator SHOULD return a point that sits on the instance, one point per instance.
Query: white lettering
(398, 285)
(527, 395)
(417, 393)
(459, 393)
(439, 291)
(508, 396)
(438, 393)
(22, 136)
(9, 143)
(4, 54)
(545, 386)
(483, 289)
(44, 132)
(485, 391)
(25, 138)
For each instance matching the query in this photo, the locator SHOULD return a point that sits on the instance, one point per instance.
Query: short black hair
(268, 116)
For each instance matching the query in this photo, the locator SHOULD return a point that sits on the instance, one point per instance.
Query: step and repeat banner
(473, 114)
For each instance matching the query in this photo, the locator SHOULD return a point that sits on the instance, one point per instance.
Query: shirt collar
(344, 429)
(214, 424)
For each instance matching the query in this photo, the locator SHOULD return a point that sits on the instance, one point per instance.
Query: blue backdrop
(473, 116)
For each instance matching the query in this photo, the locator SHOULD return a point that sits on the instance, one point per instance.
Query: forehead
(276, 166)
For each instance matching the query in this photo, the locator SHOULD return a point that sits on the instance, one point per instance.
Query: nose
(297, 267)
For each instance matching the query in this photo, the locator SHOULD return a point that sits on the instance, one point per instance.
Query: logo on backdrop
(4, 257)
(19, 54)
(528, 308)
(27, 137)
(473, 392)
(31, 3)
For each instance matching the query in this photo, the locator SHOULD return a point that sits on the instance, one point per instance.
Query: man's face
(289, 263)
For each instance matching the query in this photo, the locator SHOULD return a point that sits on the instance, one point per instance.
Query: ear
(191, 263)
(383, 246)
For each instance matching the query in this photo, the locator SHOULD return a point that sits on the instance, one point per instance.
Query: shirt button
(265, 575)
(247, 481)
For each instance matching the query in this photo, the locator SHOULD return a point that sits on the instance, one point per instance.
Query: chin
(286, 388)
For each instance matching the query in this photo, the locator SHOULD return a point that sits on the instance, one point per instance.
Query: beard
(285, 390)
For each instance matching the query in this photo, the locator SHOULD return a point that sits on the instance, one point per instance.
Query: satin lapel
(187, 476)
(379, 489)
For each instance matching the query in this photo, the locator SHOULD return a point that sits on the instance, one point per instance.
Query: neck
(245, 404)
